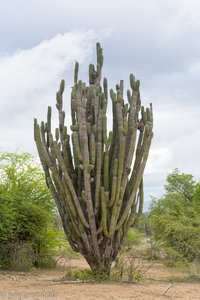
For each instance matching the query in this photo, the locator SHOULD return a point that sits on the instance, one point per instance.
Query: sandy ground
(49, 285)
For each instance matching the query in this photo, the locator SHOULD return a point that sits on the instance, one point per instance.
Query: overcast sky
(156, 40)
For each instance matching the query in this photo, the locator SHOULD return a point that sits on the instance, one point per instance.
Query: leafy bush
(68, 252)
(133, 238)
(129, 269)
(194, 270)
(153, 251)
(132, 269)
(85, 275)
(175, 218)
(143, 225)
(45, 262)
(22, 257)
(26, 211)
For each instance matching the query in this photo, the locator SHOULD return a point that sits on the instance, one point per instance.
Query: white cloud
(29, 80)
(28, 72)
(183, 17)
(158, 159)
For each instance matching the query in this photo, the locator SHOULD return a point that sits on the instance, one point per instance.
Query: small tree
(26, 207)
(97, 193)
(175, 219)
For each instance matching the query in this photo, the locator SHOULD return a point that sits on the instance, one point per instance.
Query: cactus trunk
(96, 179)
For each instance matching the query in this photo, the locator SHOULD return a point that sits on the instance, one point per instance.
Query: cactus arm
(113, 191)
(133, 218)
(141, 202)
(106, 170)
(68, 155)
(86, 174)
(92, 148)
(130, 144)
(147, 144)
(76, 72)
(98, 162)
(131, 135)
(137, 162)
(114, 143)
(76, 145)
(104, 211)
(70, 185)
(49, 119)
(122, 140)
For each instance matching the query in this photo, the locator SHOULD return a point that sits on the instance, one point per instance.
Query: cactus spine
(98, 194)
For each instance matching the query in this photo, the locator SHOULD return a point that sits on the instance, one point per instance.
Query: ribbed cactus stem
(76, 72)
(104, 211)
(98, 163)
(49, 119)
(92, 148)
(62, 86)
(76, 145)
(106, 170)
(96, 178)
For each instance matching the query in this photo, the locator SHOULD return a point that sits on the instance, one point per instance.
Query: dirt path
(48, 285)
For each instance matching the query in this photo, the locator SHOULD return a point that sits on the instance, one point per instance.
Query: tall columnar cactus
(96, 178)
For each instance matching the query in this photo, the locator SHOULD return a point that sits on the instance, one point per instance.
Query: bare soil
(49, 284)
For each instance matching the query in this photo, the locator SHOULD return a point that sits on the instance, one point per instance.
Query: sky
(158, 41)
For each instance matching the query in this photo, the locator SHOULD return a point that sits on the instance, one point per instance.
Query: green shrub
(85, 275)
(45, 262)
(175, 218)
(133, 237)
(194, 270)
(153, 251)
(68, 252)
(131, 269)
(143, 225)
(27, 211)
(22, 257)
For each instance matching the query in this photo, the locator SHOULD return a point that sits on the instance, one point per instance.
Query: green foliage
(143, 225)
(194, 270)
(53, 239)
(180, 183)
(153, 251)
(85, 275)
(26, 210)
(133, 238)
(45, 262)
(131, 269)
(22, 257)
(175, 218)
(68, 252)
